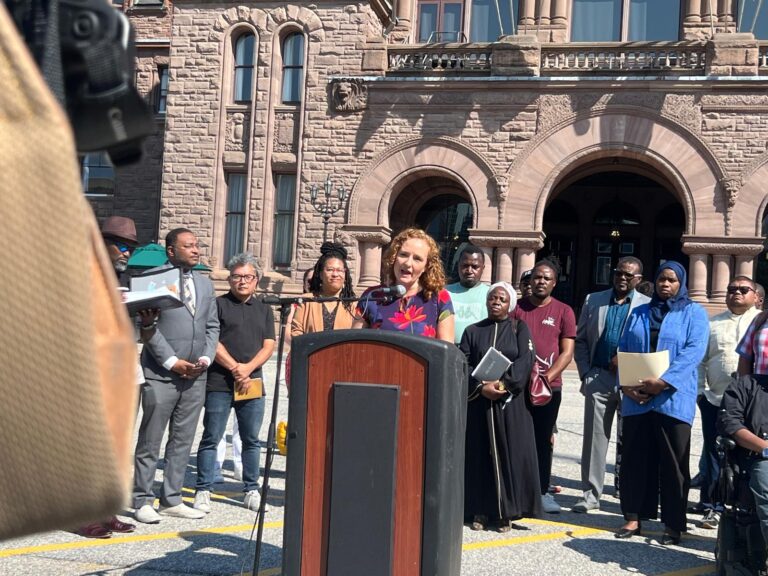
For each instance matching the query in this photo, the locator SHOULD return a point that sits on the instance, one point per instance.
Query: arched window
(293, 68)
(244, 60)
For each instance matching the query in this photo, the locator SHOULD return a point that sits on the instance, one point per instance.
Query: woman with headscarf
(658, 414)
(501, 478)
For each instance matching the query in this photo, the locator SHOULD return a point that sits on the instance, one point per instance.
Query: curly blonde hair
(432, 280)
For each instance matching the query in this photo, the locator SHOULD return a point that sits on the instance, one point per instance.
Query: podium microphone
(393, 292)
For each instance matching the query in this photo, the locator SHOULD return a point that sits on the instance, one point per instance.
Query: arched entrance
(603, 211)
(442, 208)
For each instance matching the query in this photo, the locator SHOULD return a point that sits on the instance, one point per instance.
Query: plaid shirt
(755, 348)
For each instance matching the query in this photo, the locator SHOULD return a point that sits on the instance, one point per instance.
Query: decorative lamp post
(327, 204)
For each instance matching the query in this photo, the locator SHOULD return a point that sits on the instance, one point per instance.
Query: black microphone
(393, 292)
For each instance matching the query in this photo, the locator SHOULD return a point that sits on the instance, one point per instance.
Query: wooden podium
(375, 478)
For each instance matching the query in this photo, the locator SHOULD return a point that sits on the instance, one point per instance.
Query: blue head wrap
(659, 307)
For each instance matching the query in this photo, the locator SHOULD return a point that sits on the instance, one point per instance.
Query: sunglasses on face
(122, 247)
(743, 290)
(622, 274)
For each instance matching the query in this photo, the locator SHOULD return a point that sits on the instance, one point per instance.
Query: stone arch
(269, 22)
(676, 153)
(752, 202)
(379, 185)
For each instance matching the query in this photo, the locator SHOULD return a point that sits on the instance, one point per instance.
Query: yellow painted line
(79, 544)
(694, 571)
(532, 538)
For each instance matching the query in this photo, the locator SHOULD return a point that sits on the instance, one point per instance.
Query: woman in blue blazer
(658, 413)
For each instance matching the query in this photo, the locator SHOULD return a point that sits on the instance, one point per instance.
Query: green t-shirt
(468, 304)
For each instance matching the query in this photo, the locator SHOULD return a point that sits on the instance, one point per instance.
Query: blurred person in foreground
(501, 477)
(412, 261)
(716, 372)
(246, 342)
(178, 348)
(658, 413)
(553, 329)
(469, 293)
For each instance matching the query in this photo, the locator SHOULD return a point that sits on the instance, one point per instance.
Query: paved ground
(564, 544)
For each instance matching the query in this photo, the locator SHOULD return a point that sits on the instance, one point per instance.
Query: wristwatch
(764, 453)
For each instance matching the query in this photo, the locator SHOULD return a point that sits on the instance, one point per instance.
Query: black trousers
(544, 419)
(654, 466)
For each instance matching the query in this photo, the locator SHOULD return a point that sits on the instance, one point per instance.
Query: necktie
(189, 299)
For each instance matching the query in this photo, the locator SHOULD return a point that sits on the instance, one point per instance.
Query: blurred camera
(94, 71)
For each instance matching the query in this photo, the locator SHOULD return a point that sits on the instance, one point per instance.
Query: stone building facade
(525, 146)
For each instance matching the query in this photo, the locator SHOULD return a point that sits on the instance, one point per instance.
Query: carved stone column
(721, 274)
(542, 16)
(527, 15)
(693, 10)
(370, 241)
(559, 21)
(504, 266)
(488, 270)
(697, 277)
(745, 266)
(525, 258)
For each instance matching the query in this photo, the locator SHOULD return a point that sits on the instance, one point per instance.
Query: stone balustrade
(635, 58)
(762, 57)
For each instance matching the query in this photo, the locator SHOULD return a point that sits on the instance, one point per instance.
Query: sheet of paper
(636, 366)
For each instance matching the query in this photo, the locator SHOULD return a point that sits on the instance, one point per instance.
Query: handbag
(539, 389)
(69, 391)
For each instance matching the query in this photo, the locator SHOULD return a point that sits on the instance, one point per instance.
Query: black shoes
(670, 538)
(627, 533)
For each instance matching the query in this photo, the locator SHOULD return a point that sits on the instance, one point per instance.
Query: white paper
(492, 366)
(636, 366)
(161, 298)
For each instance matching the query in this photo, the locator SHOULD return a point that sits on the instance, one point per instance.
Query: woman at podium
(331, 278)
(501, 478)
(415, 301)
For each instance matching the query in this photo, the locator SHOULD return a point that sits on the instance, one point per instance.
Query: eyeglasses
(122, 247)
(245, 277)
(334, 270)
(743, 290)
(627, 275)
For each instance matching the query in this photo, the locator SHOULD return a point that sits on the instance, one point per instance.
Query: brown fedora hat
(120, 228)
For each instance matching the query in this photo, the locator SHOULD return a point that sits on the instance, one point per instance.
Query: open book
(161, 298)
(492, 366)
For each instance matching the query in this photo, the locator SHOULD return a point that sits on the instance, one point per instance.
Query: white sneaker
(252, 500)
(147, 515)
(549, 505)
(202, 501)
(182, 511)
(238, 473)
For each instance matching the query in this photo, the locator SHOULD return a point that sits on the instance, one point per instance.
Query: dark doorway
(598, 218)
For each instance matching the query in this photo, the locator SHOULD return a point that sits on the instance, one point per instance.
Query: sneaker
(581, 507)
(238, 473)
(549, 505)
(252, 500)
(711, 520)
(182, 511)
(202, 501)
(147, 515)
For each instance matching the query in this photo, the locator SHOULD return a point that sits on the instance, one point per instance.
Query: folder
(636, 366)
(254, 390)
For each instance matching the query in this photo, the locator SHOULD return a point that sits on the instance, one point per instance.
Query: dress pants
(601, 399)
(174, 405)
(709, 463)
(544, 420)
(655, 463)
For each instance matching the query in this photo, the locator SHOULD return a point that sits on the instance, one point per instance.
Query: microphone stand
(285, 310)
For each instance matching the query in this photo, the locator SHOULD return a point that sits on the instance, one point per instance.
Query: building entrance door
(596, 219)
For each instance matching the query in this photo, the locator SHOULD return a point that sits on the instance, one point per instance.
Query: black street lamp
(327, 204)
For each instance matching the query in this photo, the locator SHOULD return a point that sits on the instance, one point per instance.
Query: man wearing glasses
(119, 235)
(600, 325)
(246, 342)
(716, 372)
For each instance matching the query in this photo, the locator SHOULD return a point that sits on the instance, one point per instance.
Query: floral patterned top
(412, 315)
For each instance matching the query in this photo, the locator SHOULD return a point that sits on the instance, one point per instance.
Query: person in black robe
(501, 478)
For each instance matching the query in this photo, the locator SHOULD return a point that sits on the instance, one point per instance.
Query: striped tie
(189, 300)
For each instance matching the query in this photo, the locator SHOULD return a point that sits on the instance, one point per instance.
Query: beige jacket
(308, 318)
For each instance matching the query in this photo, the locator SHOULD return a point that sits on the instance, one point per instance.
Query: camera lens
(84, 25)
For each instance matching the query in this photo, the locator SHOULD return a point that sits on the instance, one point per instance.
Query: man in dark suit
(600, 325)
(178, 348)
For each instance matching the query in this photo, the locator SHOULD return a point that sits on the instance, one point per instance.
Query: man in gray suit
(601, 323)
(178, 348)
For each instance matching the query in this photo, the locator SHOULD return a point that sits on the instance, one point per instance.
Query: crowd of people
(209, 352)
